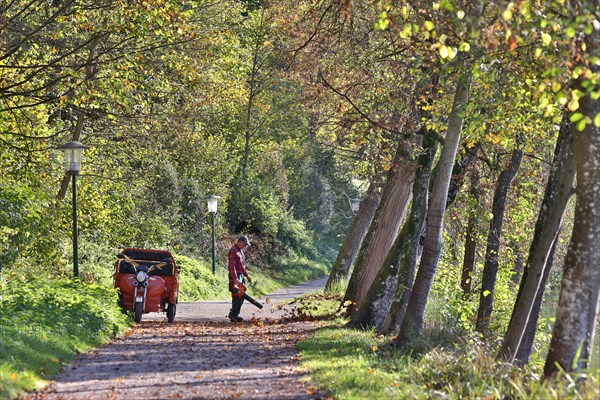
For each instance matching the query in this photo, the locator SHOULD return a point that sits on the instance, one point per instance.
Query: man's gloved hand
(249, 280)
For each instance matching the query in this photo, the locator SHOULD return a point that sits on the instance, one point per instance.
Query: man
(237, 273)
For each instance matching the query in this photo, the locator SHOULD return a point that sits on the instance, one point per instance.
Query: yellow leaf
(573, 105)
(13, 376)
(444, 52)
(546, 38)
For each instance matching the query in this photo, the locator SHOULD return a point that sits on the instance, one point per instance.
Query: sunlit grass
(355, 364)
(45, 323)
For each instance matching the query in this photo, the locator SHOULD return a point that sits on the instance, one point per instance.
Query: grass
(355, 364)
(44, 324)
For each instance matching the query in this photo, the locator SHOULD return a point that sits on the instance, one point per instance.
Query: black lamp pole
(75, 255)
(214, 244)
(72, 153)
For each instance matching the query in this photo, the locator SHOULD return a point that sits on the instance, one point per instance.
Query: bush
(197, 282)
(292, 234)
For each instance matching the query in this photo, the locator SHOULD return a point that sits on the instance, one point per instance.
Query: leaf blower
(239, 290)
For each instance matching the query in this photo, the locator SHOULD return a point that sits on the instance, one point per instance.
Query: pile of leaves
(314, 307)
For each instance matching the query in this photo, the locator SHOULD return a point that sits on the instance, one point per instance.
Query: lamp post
(355, 205)
(73, 151)
(212, 203)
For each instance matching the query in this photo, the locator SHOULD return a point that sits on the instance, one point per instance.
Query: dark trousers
(236, 302)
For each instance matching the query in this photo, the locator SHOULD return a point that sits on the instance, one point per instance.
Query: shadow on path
(200, 356)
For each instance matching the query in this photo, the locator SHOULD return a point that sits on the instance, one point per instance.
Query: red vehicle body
(158, 292)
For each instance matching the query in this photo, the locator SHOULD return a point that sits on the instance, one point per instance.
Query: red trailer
(148, 281)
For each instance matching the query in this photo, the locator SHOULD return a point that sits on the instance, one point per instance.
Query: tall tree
(385, 225)
(518, 340)
(579, 301)
(359, 228)
(398, 267)
(490, 268)
(466, 280)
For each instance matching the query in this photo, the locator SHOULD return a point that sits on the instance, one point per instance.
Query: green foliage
(197, 281)
(292, 234)
(45, 323)
(354, 364)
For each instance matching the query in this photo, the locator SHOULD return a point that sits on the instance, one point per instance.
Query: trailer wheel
(171, 310)
(137, 312)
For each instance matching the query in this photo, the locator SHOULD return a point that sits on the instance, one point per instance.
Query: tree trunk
(385, 225)
(399, 265)
(524, 351)
(409, 263)
(490, 269)
(557, 194)
(577, 312)
(355, 236)
(413, 320)
(466, 279)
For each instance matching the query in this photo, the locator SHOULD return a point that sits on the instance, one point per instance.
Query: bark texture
(385, 224)
(356, 234)
(490, 268)
(399, 265)
(517, 343)
(413, 320)
(577, 312)
(466, 279)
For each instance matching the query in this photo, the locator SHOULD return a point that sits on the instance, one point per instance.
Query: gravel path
(200, 356)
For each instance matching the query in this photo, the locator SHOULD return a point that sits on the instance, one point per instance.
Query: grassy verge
(355, 364)
(45, 323)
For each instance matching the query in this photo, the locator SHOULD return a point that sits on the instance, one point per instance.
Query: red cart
(148, 281)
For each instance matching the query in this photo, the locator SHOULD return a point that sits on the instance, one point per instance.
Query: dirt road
(200, 356)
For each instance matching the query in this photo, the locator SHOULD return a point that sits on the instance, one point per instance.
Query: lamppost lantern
(212, 202)
(355, 205)
(73, 152)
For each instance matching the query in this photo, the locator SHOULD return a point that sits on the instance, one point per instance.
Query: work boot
(234, 318)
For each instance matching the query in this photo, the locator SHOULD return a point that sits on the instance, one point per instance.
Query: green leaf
(464, 46)
(597, 120)
(581, 124)
(576, 117)
(486, 293)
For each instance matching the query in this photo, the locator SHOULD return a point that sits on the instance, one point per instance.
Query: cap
(244, 239)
